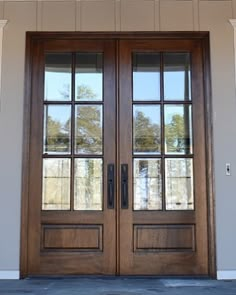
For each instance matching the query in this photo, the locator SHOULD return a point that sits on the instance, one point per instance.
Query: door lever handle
(110, 185)
(124, 187)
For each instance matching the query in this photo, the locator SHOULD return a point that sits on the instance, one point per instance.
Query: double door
(117, 176)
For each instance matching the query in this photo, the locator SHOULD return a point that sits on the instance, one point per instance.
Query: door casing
(202, 37)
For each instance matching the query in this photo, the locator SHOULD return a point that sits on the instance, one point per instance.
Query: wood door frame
(203, 38)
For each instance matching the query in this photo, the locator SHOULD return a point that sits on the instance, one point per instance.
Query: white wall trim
(233, 23)
(9, 275)
(2, 25)
(3, 22)
(226, 275)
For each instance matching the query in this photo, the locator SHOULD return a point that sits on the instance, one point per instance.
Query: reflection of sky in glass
(146, 86)
(59, 113)
(91, 83)
(171, 110)
(57, 86)
(152, 112)
(177, 77)
(174, 85)
(146, 75)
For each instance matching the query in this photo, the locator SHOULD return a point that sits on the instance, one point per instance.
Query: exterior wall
(117, 15)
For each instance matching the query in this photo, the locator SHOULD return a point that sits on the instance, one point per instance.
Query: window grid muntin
(73, 103)
(162, 102)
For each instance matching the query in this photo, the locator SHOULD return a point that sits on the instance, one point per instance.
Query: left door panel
(72, 220)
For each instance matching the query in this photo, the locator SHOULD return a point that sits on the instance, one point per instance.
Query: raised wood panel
(66, 237)
(164, 237)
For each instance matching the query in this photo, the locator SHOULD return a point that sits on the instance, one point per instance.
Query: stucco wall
(117, 15)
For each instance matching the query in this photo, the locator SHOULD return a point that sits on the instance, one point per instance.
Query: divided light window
(73, 132)
(162, 131)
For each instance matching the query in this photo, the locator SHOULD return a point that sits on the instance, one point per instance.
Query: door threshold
(114, 277)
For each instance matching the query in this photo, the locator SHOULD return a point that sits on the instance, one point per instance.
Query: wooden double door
(116, 156)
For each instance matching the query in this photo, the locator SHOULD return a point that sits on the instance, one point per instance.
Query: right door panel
(163, 206)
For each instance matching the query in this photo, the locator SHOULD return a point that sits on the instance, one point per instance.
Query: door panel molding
(33, 41)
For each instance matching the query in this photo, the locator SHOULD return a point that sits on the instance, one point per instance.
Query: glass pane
(179, 184)
(146, 76)
(88, 129)
(178, 129)
(57, 76)
(56, 184)
(57, 129)
(89, 76)
(147, 184)
(146, 129)
(88, 184)
(177, 76)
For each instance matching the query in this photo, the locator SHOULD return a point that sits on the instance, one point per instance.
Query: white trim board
(226, 275)
(233, 23)
(3, 22)
(9, 275)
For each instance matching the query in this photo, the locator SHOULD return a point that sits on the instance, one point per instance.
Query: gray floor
(116, 286)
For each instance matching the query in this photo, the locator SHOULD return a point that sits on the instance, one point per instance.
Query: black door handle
(124, 186)
(110, 185)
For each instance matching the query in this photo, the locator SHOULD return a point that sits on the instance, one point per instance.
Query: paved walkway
(116, 286)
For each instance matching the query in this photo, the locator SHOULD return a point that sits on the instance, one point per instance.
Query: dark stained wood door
(116, 177)
(72, 218)
(163, 216)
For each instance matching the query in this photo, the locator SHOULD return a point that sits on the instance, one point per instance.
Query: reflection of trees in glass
(85, 92)
(177, 135)
(147, 185)
(88, 129)
(57, 139)
(88, 195)
(147, 135)
(56, 184)
(88, 123)
(179, 184)
(88, 184)
(87, 139)
(65, 92)
(88, 126)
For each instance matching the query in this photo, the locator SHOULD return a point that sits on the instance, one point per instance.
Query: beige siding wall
(214, 17)
(117, 15)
